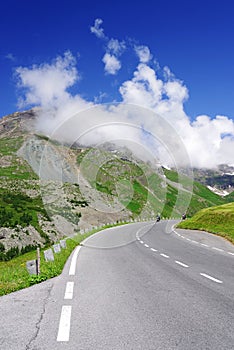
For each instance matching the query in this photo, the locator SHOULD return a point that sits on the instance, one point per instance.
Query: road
(138, 286)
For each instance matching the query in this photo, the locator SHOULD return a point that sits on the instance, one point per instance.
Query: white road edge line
(180, 263)
(164, 255)
(69, 291)
(211, 278)
(202, 244)
(141, 228)
(72, 269)
(64, 324)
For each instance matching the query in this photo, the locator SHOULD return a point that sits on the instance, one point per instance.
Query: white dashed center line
(211, 278)
(69, 290)
(183, 264)
(164, 255)
(153, 250)
(180, 263)
(64, 324)
(219, 250)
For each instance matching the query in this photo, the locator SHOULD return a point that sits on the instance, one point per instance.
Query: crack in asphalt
(28, 346)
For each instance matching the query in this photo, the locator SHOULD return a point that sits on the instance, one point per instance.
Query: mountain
(49, 190)
(220, 180)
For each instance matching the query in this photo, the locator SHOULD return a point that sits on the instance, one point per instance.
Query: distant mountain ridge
(221, 179)
(48, 190)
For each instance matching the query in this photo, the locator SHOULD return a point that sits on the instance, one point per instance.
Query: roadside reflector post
(31, 266)
(38, 261)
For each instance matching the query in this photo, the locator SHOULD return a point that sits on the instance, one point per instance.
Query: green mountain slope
(74, 189)
(230, 197)
(201, 198)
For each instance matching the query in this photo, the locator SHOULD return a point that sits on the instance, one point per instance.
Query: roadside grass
(218, 220)
(14, 275)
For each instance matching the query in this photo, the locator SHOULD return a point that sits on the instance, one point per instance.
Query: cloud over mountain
(208, 141)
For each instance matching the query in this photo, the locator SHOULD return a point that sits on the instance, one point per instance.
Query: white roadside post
(38, 261)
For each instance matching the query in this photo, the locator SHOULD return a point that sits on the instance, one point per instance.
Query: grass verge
(218, 220)
(14, 275)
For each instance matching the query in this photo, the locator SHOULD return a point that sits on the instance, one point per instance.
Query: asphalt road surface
(138, 286)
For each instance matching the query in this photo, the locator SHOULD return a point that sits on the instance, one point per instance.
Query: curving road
(138, 286)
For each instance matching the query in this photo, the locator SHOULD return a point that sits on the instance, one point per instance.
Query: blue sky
(195, 39)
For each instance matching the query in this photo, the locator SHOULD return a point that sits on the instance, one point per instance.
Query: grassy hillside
(111, 177)
(21, 204)
(136, 185)
(202, 197)
(149, 194)
(230, 197)
(218, 219)
(13, 167)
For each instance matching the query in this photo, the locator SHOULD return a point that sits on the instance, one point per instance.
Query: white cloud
(144, 88)
(116, 47)
(113, 50)
(47, 84)
(10, 57)
(204, 138)
(96, 29)
(100, 97)
(112, 64)
(168, 75)
(143, 53)
(176, 91)
(208, 142)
